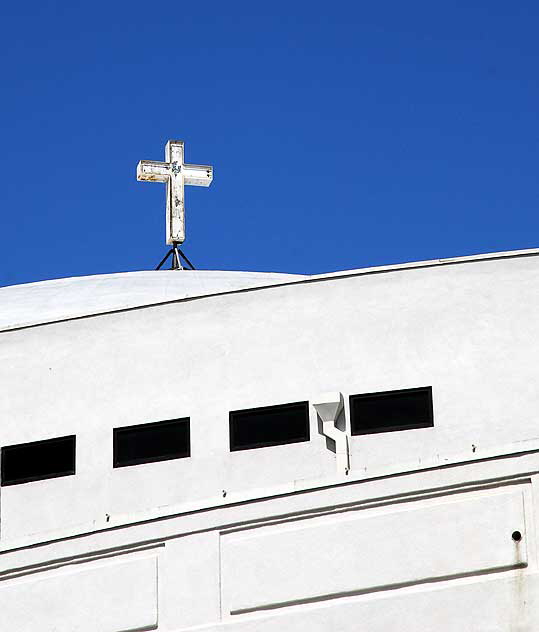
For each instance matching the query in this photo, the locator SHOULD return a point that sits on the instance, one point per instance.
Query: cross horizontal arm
(198, 175)
(153, 171)
(175, 174)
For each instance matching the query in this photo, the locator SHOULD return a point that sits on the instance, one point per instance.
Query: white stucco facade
(409, 530)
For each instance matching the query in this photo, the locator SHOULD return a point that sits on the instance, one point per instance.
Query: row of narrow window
(254, 428)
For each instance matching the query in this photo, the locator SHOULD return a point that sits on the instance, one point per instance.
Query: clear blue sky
(342, 134)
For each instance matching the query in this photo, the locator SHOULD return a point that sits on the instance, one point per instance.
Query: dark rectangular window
(38, 460)
(271, 425)
(147, 443)
(391, 410)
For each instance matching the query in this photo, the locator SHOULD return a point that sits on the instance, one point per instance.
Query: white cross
(175, 173)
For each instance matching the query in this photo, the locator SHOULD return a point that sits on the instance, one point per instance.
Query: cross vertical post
(175, 173)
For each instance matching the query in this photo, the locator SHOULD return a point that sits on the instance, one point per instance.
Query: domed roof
(60, 299)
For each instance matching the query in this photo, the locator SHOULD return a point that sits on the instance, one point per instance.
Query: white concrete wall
(469, 330)
(392, 549)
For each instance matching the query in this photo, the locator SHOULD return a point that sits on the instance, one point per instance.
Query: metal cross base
(177, 256)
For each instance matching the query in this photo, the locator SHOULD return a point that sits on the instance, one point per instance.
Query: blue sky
(342, 134)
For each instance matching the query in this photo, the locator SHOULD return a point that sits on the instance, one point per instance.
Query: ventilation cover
(269, 426)
(391, 410)
(148, 443)
(38, 460)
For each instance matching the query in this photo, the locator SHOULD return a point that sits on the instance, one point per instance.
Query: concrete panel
(355, 552)
(493, 604)
(105, 596)
(189, 581)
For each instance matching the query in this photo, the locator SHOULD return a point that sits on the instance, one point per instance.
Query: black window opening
(269, 426)
(38, 460)
(391, 410)
(152, 442)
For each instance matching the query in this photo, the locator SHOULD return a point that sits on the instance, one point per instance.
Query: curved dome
(60, 299)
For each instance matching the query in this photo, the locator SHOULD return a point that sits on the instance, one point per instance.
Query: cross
(176, 174)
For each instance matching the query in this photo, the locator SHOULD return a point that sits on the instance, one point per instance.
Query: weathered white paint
(416, 536)
(175, 173)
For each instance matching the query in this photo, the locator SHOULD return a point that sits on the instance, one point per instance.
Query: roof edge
(329, 276)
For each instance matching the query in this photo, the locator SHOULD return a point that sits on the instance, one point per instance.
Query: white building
(414, 508)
